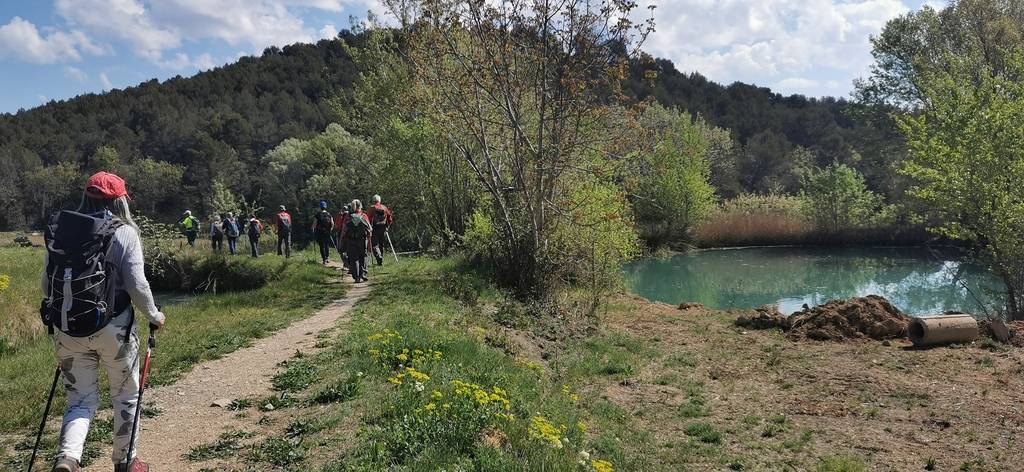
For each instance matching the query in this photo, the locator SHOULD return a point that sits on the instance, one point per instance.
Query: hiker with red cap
(93, 283)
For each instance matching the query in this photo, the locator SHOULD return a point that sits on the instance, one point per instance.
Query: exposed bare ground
(188, 419)
(782, 404)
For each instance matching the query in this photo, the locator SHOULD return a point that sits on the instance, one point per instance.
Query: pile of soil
(838, 320)
(867, 317)
(765, 317)
(1016, 329)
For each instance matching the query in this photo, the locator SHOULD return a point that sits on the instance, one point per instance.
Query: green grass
(198, 329)
(392, 429)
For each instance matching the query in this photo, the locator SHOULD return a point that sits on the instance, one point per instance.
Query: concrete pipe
(944, 329)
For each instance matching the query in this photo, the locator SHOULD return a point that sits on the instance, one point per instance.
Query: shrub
(186, 270)
(670, 183)
(837, 198)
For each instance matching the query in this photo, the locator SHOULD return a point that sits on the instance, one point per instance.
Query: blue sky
(56, 49)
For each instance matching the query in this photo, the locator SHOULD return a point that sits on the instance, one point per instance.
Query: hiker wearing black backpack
(283, 222)
(339, 223)
(356, 234)
(382, 220)
(94, 275)
(190, 225)
(254, 232)
(323, 225)
(232, 230)
(216, 234)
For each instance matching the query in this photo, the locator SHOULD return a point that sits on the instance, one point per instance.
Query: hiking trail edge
(187, 418)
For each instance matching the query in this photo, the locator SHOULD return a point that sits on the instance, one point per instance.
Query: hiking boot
(66, 464)
(137, 465)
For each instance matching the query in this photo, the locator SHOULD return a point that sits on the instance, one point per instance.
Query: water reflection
(916, 280)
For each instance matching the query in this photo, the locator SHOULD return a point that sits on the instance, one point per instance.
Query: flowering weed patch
(433, 395)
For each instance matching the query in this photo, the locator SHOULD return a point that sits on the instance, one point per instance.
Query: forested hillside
(175, 139)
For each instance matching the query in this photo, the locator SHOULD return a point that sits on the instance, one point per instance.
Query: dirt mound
(1016, 329)
(765, 317)
(871, 317)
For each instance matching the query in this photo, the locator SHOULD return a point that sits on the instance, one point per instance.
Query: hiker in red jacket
(382, 219)
(283, 221)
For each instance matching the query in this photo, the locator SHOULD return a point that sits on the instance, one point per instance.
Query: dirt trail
(187, 418)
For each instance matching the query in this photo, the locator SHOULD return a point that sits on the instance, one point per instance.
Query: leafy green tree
(105, 158)
(153, 184)
(967, 162)
(837, 198)
(221, 200)
(51, 188)
(924, 42)
(670, 183)
(520, 90)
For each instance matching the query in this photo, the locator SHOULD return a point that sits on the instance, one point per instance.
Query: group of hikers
(94, 282)
(351, 231)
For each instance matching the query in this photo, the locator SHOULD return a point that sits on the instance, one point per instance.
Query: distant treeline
(185, 137)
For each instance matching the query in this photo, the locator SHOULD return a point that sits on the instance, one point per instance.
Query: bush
(837, 198)
(186, 270)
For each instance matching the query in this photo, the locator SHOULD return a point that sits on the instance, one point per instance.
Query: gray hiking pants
(80, 361)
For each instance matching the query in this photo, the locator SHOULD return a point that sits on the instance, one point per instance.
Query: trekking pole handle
(152, 335)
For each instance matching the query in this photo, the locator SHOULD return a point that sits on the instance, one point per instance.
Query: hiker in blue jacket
(232, 230)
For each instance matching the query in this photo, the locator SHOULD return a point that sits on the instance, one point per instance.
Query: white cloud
(799, 46)
(155, 30)
(328, 32)
(329, 5)
(105, 81)
(796, 83)
(19, 39)
(126, 20)
(75, 73)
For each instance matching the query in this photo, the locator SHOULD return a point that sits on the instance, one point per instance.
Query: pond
(919, 281)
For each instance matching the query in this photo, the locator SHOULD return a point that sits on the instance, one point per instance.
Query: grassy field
(647, 388)
(436, 371)
(198, 328)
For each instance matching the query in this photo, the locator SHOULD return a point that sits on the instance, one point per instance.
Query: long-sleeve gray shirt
(125, 253)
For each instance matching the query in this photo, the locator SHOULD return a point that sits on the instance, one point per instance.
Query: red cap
(105, 185)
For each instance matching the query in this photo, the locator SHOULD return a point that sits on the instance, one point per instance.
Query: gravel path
(187, 418)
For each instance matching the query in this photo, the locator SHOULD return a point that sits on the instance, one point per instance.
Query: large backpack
(380, 216)
(80, 300)
(231, 227)
(284, 223)
(358, 227)
(254, 229)
(323, 222)
(217, 230)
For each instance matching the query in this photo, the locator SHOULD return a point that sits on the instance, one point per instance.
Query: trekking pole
(393, 253)
(142, 389)
(42, 424)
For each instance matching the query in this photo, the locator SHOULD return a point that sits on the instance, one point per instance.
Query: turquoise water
(917, 280)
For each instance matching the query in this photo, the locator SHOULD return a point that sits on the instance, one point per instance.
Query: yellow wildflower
(544, 430)
(417, 375)
(5, 281)
(602, 466)
(436, 395)
(403, 357)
